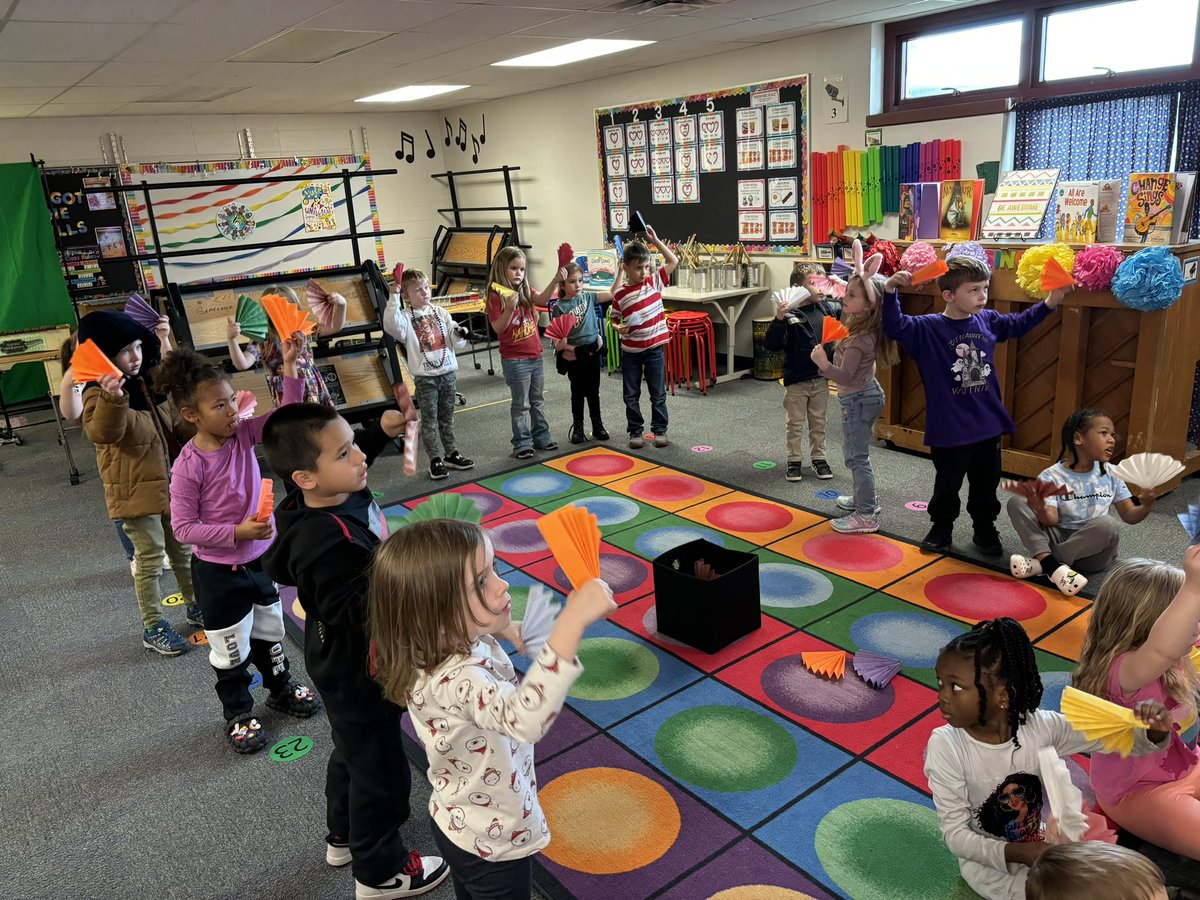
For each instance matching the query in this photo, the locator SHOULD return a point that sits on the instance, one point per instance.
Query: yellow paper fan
(1194, 656)
(830, 663)
(505, 293)
(1099, 720)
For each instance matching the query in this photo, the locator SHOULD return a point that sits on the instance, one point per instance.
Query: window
(1119, 37)
(950, 62)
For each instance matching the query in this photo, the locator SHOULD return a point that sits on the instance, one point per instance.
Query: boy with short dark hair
(955, 351)
(327, 531)
(796, 330)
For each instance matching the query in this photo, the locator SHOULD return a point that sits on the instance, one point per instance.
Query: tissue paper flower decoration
(1095, 266)
(918, 255)
(891, 256)
(972, 249)
(1029, 269)
(1150, 279)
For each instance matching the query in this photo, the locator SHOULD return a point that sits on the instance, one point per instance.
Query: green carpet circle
(853, 839)
(613, 668)
(725, 748)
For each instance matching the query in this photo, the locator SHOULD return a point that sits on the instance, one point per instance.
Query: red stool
(692, 338)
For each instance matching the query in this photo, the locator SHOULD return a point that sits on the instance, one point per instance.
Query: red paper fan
(935, 269)
(89, 363)
(266, 501)
(1034, 487)
(833, 330)
(246, 403)
(565, 254)
(830, 287)
(561, 326)
(1054, 276)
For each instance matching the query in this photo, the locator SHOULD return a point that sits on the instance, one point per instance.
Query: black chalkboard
(90, 229)
(715, 192)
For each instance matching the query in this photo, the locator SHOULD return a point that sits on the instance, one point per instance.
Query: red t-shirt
(520, 340)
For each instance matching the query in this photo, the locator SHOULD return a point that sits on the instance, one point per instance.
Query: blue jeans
(859, 412)
(653, 364)
(524, 378)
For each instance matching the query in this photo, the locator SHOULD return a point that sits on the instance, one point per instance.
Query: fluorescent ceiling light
(412, 92)
(569, 53)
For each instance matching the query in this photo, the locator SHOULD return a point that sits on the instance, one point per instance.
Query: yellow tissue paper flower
(1033, 260)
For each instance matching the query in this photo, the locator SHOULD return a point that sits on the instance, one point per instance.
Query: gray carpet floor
(116, 780)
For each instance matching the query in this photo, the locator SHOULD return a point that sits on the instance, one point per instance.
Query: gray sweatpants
(1088, 549)
(436, 397)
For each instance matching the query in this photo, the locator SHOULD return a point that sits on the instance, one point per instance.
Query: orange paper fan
(287, 317)
(266, 501)
(1054, 276)
(89, 363)
(833, 330)
(830, 663)
(573, 536)
(934, 270)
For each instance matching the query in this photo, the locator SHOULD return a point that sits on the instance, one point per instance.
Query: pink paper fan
(141, 312)
(875, 669)
(320, 304)
(246, 402)
(561, 326)
(830, 287)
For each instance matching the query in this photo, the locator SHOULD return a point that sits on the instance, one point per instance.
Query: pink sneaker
(855, 523)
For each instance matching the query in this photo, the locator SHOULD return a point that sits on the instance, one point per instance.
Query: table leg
(72, 472)
(730, 318)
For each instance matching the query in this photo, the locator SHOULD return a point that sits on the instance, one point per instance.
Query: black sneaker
(793, 472)
(437, 469)
(987, 539)
(939, 539)
(420, 874)
(599, 432)
(822, 469)
(577, 435)
(457, 461)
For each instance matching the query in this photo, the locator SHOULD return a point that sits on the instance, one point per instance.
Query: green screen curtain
(33, 293)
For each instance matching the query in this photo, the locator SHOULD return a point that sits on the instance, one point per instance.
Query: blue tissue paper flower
(1148, 280)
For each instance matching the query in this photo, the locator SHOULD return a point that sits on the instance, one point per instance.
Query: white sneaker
(133, 567)
(846, 502)
(1024, 566)
(422, 874)
(166, 562)
(1068, 580)
(855, 523)
(338, 855)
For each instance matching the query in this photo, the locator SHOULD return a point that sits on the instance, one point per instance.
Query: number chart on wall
(730, 166)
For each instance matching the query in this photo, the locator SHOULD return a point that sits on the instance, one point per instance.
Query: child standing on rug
(214, 505)
(328, 529)
(1138, 647)
(436, 602)
(430, 338)
(1074, 531)
(1093, 870)
(514, 318)
(137, 436)
(270, 351)
(639, 320)
(859, 392)
(955, 351)
(982, 765)
(797, 331)
(578, 354)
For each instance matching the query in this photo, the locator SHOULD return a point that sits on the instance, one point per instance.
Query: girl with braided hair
(982, 765)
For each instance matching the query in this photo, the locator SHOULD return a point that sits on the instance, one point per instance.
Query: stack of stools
(692, 339)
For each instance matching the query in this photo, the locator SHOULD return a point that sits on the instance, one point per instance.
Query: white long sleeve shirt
(428, 334)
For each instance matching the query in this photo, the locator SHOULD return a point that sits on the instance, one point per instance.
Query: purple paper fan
(875, 669)
(141, 312)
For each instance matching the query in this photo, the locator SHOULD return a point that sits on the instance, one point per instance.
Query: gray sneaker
(846, 502)
(636, 442)
(164, 639)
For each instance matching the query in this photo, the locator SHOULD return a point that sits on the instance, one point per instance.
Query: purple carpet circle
(650, 623)
(827, 495)
(521, 536)
(916, 505)
(623, 573)
(701, 448)
(485, 503)
(847, 699)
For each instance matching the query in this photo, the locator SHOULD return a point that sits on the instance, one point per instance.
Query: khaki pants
(151, 535)
(806, 400)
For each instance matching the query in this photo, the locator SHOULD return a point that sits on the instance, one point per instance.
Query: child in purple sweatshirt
(215, 485)
(955, 352)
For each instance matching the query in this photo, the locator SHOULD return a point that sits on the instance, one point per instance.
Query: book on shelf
(1150, 208)
(928, 209)
(1075, 211)
(960, 207)
(1108, 210)
(1185, 196)
(909, 205)
(1020, 202)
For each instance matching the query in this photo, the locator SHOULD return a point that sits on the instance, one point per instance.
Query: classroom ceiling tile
(41, 41)
(580, 25)
(244, 74)
(402, 48)
(210, 42)
(665, 28)
(72, 110)
(16, 111)
(276, 14)
(383, 15)
(36, 74)
(753, 9)
(760, 31)
(490, 20)
(128, 73)
(569, 5)
(102, 11)
(107, 94)
(16, 96)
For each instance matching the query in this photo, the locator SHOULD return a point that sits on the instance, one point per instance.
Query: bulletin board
(230, 216)
(92, 229)
(730, 166)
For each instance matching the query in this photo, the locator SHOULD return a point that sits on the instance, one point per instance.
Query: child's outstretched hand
(562, 275)
(1055, 297)
(253, 530)
(163, 328)
(591, 603)
(820, 357)
(650, 233)
(1147, 498)
(392, 423)
(1156, 717)
(1191, 560)
(232, 329)
(899, 279)
(111, 385)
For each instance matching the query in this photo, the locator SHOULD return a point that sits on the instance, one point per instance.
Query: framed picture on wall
(874, 137)
(825, 252)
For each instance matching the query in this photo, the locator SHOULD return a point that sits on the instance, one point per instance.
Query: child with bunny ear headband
(853, 368)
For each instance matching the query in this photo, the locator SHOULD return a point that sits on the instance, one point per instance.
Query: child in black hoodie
(327, 531)
(796, 330)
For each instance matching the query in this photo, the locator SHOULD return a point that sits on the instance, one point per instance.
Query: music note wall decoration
(475, 155)
(406, 141)
(431, 153)
(449, 130)
(461, 140)
(483, 128)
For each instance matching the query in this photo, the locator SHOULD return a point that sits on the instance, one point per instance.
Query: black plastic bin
(706, 614)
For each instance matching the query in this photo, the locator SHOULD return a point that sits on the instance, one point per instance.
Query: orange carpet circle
(760, 892)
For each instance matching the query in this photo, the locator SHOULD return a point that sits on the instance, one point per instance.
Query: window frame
(1030, 85)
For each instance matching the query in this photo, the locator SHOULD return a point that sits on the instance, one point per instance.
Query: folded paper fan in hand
(929, 272)
(444, 506)
(1190, 520)
(561, 326)
(790, 297)
(830, 287)
(141, 312)
(397, 274)
(246, 403)
(875, 669)
(1099, 720)
(1034, 487)
(1066, 802)
(573, 536)
(830, 663)
(412, 434)
(321, 304)
(505, 293)
(1194, 657)
(266, 501)
(565, 254)
(1054, 276)
(541, 612)
(833, 330)
(619, 247)
(1147, 470)
(251, 318)
(89, 363)
(287, 318)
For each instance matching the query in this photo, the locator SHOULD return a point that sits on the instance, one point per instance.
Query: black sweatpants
(980, 464)
(243, 621)
(478, 879)
(584, 374)
(367, 784)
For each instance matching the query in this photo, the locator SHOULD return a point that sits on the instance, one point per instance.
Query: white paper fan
(1066, 802)
(1147, 470)
(540, 615)
(790, 297)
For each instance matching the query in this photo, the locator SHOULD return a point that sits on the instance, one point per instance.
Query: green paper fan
(445, 506)
(251, 318)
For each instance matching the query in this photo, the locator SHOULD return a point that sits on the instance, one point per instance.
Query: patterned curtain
(1093, 136)
(1187, 146)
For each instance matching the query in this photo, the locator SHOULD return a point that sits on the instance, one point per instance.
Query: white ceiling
(138, 57)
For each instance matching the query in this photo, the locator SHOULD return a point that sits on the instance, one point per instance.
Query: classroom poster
(752, 226)
(752, 194)
(316, 204)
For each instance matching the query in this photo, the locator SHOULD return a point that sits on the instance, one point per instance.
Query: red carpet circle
(977, 596)
(748, 515)
(670, 488)
(599, 466)
(853, 552)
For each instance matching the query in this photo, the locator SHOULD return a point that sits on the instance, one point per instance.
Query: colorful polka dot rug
(742, 775)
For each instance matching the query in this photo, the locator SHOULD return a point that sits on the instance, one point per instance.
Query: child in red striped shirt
(637, 315)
